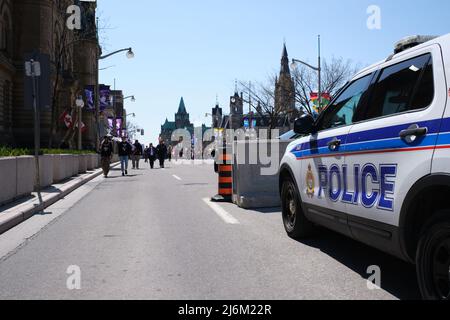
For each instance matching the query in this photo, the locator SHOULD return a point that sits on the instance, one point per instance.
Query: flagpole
(320, 78)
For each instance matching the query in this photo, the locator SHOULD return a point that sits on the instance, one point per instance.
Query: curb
(22, 212)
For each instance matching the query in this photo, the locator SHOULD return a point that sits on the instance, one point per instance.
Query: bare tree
(334, 76)
(261, 99)
(61, 53)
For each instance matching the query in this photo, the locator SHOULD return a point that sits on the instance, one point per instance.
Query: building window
(5, 35)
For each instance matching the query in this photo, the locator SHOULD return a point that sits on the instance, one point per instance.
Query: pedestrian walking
(162, 153)
(106, 151)
(151, 154)
(137, 154)
(181, 154)
(125, 151)
(146, 154)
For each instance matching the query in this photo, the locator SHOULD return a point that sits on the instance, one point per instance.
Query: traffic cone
(225, 183)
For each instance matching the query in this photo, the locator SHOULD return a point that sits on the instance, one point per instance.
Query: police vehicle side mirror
(304, 125)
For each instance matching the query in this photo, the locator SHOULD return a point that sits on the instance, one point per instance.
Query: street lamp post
(80, 104)
(318, 69)
(130, 55)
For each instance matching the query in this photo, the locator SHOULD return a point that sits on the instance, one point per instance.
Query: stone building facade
(39, 26)
(285, 87)
(182, 121)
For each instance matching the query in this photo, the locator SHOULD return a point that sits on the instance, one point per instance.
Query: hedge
(16, 152)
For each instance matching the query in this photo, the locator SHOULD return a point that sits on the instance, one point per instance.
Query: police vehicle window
(341, 112)
(403, 87)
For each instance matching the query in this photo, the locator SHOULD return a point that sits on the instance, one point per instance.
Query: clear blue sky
(197, 48)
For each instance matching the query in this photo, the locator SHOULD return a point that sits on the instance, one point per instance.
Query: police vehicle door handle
(412, 133)
(334, 144)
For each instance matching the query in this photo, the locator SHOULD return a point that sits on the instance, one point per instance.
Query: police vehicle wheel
(295, 223)
(433, 262)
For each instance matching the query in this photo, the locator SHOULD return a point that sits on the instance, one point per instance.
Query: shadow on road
(397, 277)
(268, 210)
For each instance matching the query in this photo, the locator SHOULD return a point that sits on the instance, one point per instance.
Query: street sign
(41, 68)
(33, 68)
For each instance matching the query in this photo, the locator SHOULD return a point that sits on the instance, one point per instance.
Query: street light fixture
(133, 99)
(130, 55)
(295, 63)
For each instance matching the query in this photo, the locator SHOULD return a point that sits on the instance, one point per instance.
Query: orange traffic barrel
(225, 171)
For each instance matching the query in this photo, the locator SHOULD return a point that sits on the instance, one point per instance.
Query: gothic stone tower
(182, 117)
(236, 111)
(285, 87)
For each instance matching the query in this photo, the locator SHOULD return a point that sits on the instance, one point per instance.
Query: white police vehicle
(375, 165)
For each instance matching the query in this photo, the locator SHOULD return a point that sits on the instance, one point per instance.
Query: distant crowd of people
(134, 151)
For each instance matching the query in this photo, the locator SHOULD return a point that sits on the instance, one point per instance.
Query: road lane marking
(176, 177)
(225, 216)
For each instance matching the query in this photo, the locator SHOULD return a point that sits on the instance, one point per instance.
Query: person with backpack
(106, 151)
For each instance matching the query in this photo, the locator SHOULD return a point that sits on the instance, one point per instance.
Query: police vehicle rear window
(403, 87)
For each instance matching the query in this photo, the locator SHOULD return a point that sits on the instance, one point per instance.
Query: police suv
(375, 165)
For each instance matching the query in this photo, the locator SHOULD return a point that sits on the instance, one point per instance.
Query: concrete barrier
(90, 162)
(99, 161)
(26, 174)
(8, 171)
(46, 170)
(252, 189)
(115, 158)
(59, 171)
(82, 163)
(67, 164)
(75, 165)
(18, 173)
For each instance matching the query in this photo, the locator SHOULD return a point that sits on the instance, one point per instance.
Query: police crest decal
(310, 183)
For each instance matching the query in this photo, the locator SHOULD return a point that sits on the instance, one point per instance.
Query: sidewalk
(20, 210)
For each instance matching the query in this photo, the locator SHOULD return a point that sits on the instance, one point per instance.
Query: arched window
(6, 37)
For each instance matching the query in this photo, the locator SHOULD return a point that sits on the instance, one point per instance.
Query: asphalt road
(151, 235)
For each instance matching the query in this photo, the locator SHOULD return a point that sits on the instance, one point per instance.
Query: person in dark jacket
(137, 154)
(162, 153)
(106, 151)
(146, 154)
(125, 151)
(152, 154)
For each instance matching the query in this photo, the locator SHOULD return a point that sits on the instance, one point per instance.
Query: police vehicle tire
(295, 222)
(433, 261)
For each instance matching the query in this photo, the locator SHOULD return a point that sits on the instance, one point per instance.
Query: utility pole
(320, 78)
(33, 70)
(97, 89)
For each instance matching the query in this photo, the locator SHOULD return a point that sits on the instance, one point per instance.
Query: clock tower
(236, 111)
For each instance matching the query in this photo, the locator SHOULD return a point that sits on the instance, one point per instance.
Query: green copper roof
(169, 125)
